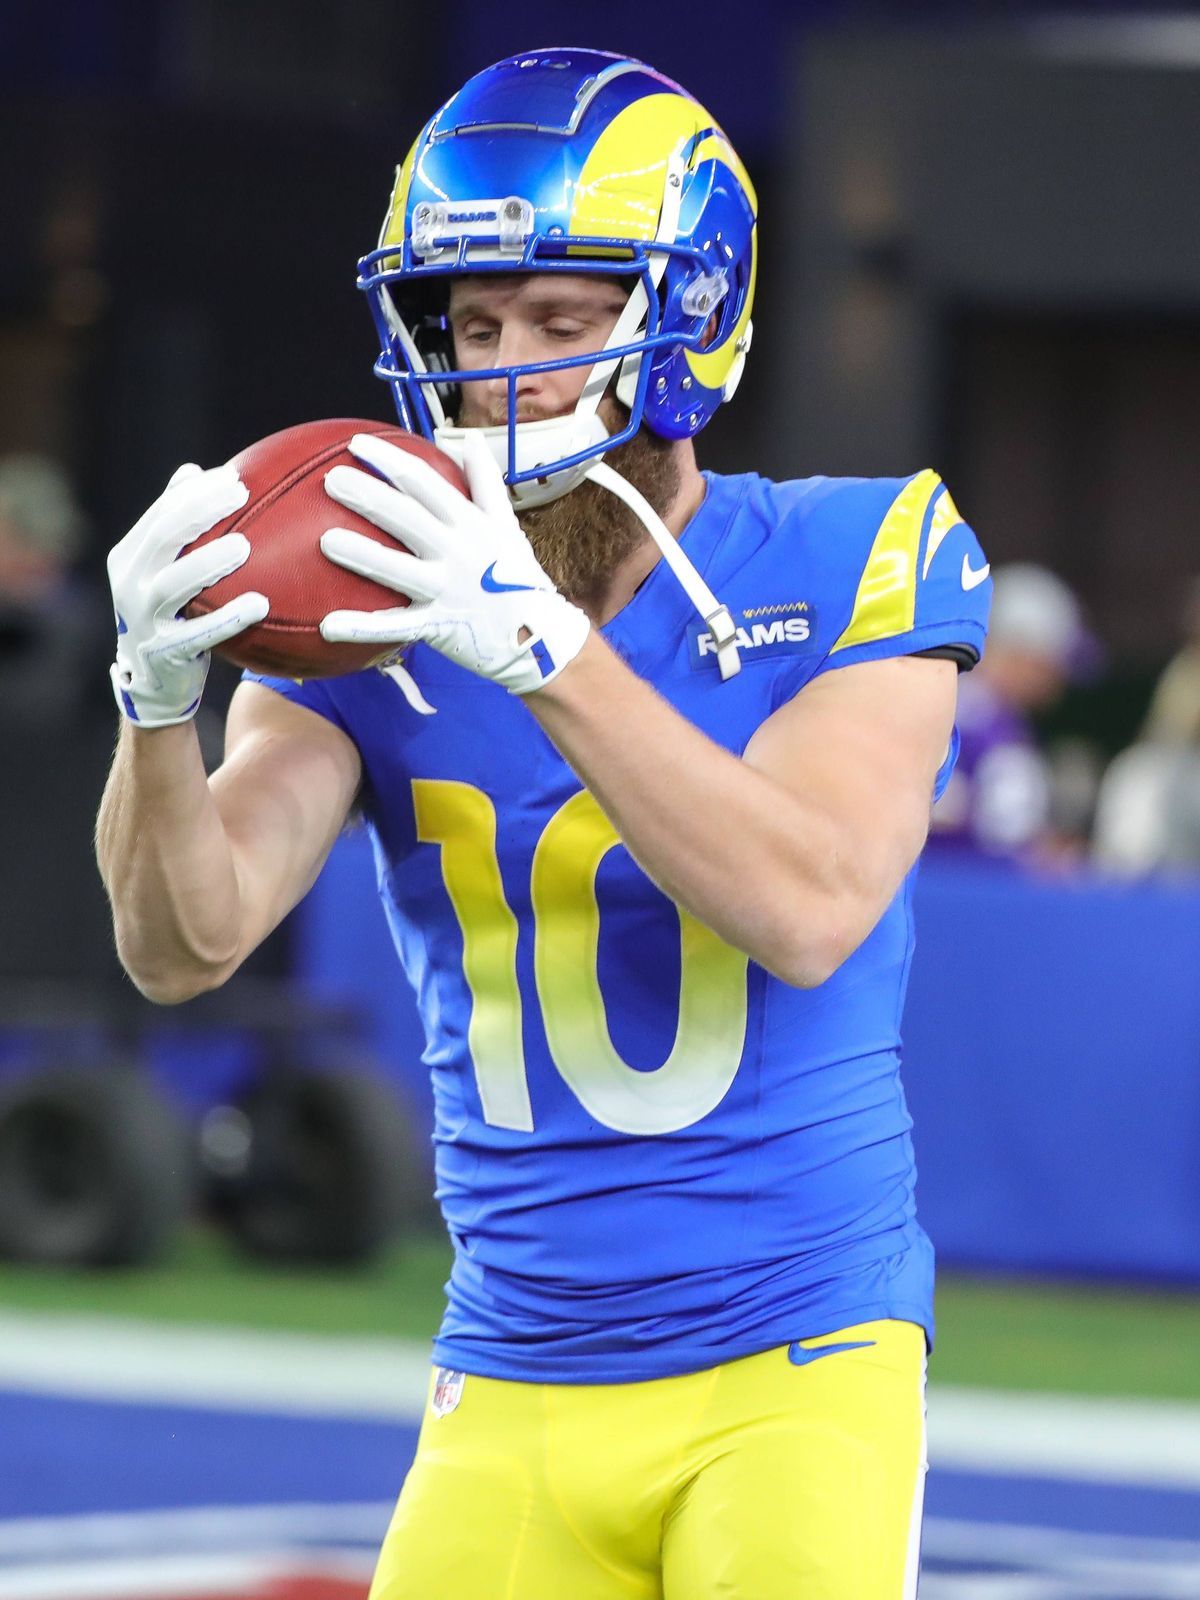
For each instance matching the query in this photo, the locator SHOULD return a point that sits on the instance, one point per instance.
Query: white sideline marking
(228, 1528)
(80, 1560)
(1051, 1564)
(192, 1528)
(304, 1374)
(949, 1539)
(1092, 1439)
(174, 1575)
(1099, 1585)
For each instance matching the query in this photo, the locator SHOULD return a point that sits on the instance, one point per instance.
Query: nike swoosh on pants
(800, 1356)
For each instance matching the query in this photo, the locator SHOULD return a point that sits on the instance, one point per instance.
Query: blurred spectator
(1148, 813)
(1000, 802)
(48, 626)
(1174, 715)
(56, 732)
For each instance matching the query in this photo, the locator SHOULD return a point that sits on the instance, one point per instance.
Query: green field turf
(995, 1332)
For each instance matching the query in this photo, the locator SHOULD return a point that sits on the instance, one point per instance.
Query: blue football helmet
(576, 161)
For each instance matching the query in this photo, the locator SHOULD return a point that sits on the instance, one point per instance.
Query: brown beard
(582, 538)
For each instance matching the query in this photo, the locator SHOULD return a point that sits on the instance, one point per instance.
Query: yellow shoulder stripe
(886, 602)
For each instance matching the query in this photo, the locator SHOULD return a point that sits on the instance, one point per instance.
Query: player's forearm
(167, 866)
(761, 866)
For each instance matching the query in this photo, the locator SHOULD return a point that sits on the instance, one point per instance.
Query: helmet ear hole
(423, 306)
(729, 312)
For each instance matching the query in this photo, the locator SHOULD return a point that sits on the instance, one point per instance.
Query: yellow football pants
(782, 1476)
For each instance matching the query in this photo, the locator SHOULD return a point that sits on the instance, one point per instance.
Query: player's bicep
(865, 743)
(284, 791)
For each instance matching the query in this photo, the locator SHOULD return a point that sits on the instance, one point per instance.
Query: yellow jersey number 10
(711, 1031)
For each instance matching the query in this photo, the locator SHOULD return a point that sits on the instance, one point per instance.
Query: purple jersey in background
(997, 802)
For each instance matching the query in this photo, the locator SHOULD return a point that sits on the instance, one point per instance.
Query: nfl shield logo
(447, 1390)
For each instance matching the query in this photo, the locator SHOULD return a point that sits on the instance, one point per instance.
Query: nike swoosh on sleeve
(972, 579)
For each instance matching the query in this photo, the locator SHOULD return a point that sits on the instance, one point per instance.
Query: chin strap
(716, 616)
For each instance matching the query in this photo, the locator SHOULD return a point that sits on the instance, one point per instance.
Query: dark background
(980, 251)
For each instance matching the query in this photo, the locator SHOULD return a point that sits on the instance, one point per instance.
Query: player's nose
(516, 347)
(517, 344)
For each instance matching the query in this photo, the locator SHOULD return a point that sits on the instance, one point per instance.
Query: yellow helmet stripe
(393, 223)
(712, 367)
(620, 189)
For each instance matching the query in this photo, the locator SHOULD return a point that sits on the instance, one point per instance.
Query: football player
(646, 790)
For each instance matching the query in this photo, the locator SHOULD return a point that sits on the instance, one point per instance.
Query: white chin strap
(537, 444)
(716, 616)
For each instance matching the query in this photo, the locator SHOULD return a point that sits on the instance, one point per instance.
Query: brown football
(284, 519)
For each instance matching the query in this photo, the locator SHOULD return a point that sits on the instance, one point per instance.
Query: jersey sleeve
(914, 581)
(312, 693)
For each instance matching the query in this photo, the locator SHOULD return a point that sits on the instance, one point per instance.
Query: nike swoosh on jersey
(799, 1355)
(494, 586)
(970, 578)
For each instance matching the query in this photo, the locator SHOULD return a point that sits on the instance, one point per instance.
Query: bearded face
(582, 538)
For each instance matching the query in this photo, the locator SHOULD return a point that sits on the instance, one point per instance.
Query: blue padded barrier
(1052, 1064)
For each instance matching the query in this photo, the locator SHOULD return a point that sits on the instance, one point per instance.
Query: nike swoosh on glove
(162, 657)
(478, 594)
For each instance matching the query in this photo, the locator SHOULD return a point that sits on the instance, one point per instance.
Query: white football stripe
(179, 1576)
(191, 1528)
(1094, 1439)
(307, 1374)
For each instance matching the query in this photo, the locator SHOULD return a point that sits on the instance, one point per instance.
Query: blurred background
(219, 1260)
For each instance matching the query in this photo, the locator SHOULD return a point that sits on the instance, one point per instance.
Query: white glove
(478, 593)
(162, 658)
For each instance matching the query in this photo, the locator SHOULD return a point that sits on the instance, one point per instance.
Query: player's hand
(162, 657)
(478, 594)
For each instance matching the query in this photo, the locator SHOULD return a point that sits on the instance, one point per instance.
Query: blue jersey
(652, 1155)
